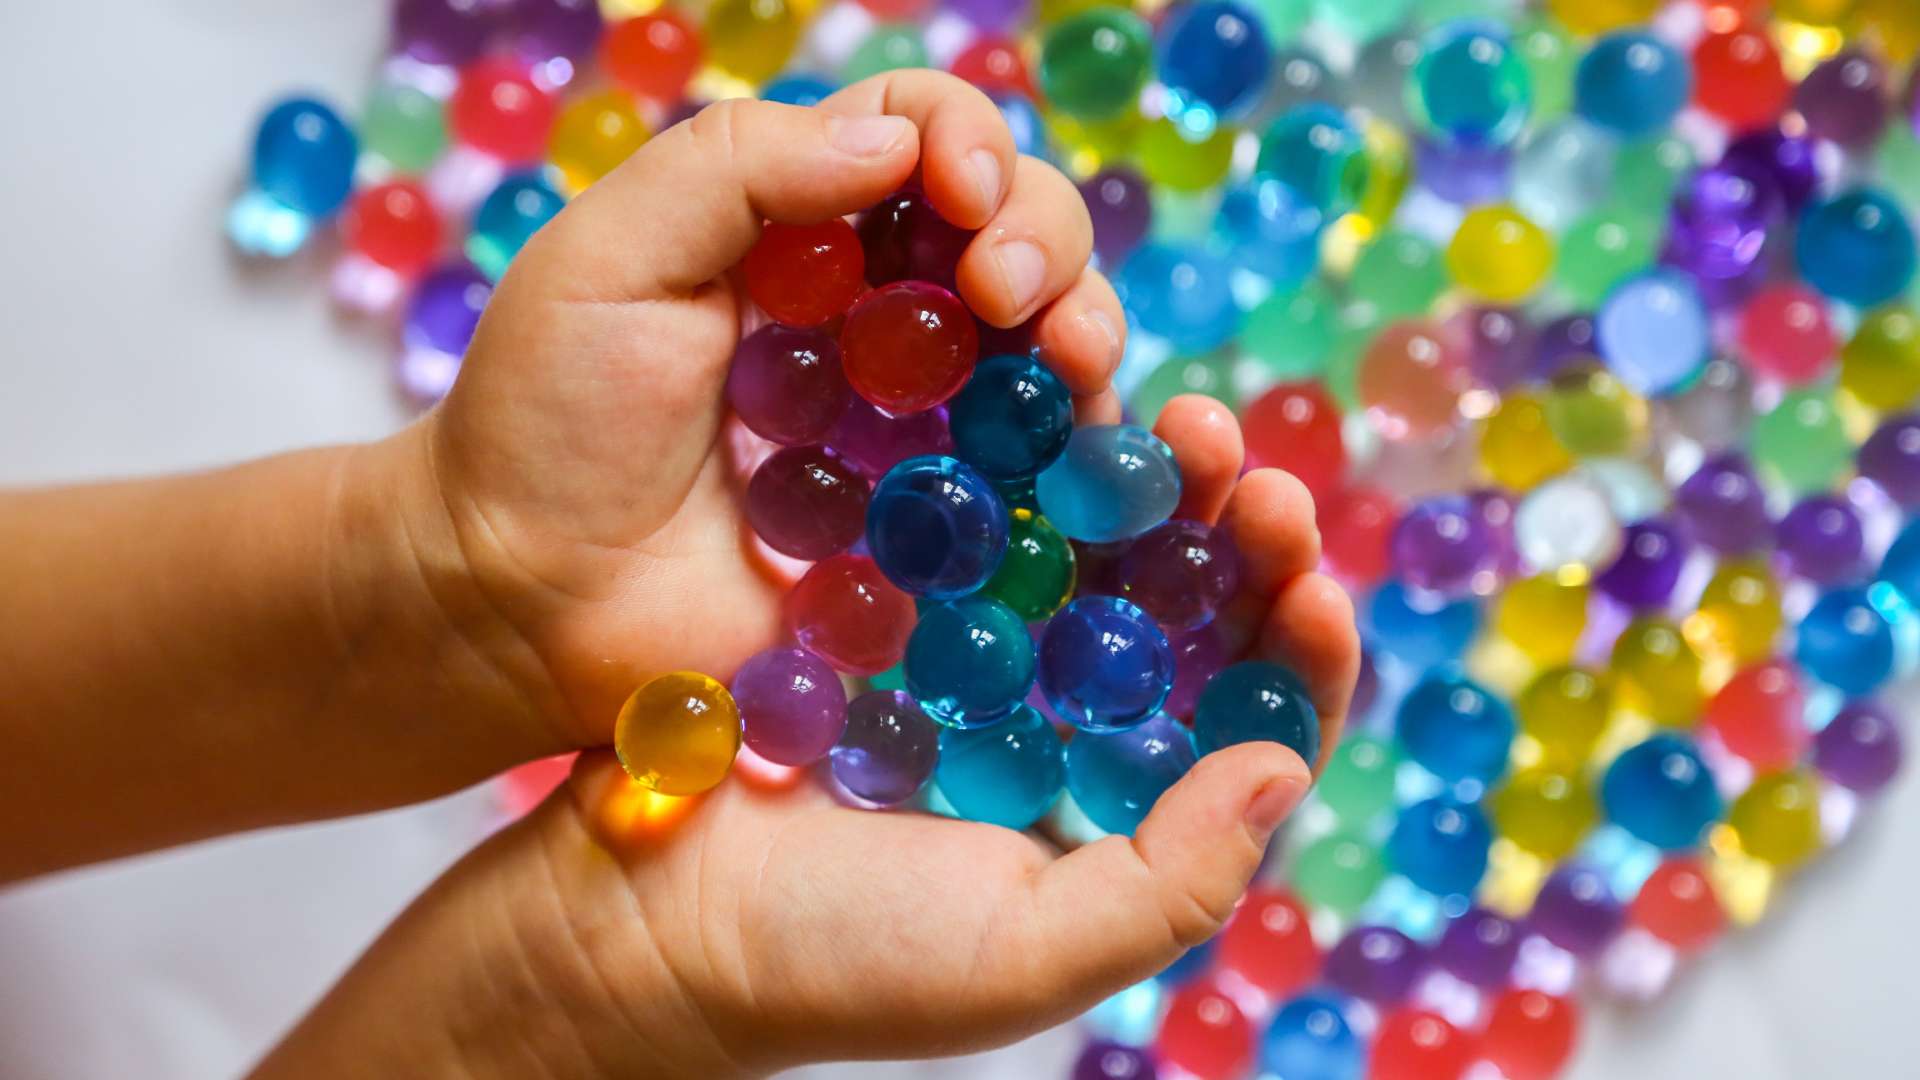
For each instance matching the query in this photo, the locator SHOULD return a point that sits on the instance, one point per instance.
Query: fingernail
(1271, 805)
(986, 174)
(1098, 322)
(867, 136)
(1023, 268)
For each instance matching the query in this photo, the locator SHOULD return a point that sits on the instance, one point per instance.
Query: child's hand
(598, 539)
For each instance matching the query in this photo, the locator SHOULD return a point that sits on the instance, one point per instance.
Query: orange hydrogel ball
(678, 734)
(1410, 379)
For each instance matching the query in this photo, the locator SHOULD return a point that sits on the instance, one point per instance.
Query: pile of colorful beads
(1591, 327)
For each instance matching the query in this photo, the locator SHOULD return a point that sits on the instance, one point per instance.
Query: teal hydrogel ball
(1007, 774)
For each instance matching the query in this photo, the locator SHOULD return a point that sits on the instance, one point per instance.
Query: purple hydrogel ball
(1723, 507)
(792, 706)
(1103, 1060)
(1496, 509)
(787, 385)
(1499, 343)
(990, 14)
(905, 238)
(1442, 545)
(1462, 175)
(874, 441)
(1122, 210)
(1822, 539)
(1479, 948)
(449, 32)
(1198, 655)
(806, 503)
(542, 30)
(1180, 572)
(446, 308)
(889, 747)
(1366, 688)
(1565, 341)
(1845, 98)
(1860, 747)
(1651, 554)
(1376, 963)
(1891, 458)
(1719, 224)
(1576, 910)
(1786, 159)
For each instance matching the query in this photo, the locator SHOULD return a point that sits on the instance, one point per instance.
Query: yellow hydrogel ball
(594, 134)
(1173, 156)
(1816, 12)
(1893, 25)
(1599, 16)
(1657, 672)
(1543, 617)
(1517, 446)
(751, 39)
(1880, 364)
(1389, 170)
(1594, 414)
(1498, 255)
(1545, 811)
(1739, 616)
(1777, 820)
(1087, 146)
(1565, 709)
(678, 734)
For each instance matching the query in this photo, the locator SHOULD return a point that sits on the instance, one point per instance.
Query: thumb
(688, 205)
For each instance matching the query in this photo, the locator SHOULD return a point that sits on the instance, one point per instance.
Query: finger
(1031, 251)
(1083, 334)
(1270, 519)
(967, 154)
(1205, 439)
(1119, 910)
(689, 203)
(1310, 629)
(1096, 409)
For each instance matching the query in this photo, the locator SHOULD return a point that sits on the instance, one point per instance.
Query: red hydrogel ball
(1677, 905)
(786, 384)
(1785, 332)
(1296, 426)
(1413, 1044)
(653, 55)
(1411, 378)
(498, 109)
(897, 10)
(1356, 529)
(992, 63)
(908, 346)
(847, 612)
(1758, 715)
(1205, 1033)
(804, 275)
(1530, 1035)
(1737, 77)
(905, 238)
(1269, 944)
(806, 503)
(395, 225)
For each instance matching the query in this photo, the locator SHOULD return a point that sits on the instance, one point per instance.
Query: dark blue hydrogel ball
(1632, 83)
(798, 90)
(304, 156)
(1311, 1039)
(1856, 247)
(1105, 665)
(936, 527)
(1456, 728)
(1441, 845)
(1213, 55)
(1845, 641)
(1011, 419)
(1115, 778)
(1422, 629)
(969, 662)
(1661, 791)
(1255, 701)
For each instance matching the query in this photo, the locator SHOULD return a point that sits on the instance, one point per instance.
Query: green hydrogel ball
(1035, 577)
(1339, 871)
(1400, 273)
(1291, 334)
(1646, 173)
(1282, 19)
(894, 678)
(1357, 783)
(1094, 64)
(1363, 20)
(1550, 58)
(407, 127)
(1211, 374)
(1802, 442)
(1600, 249)
(889, 48)
(1355, 326)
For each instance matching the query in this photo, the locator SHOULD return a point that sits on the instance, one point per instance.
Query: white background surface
(131, 343)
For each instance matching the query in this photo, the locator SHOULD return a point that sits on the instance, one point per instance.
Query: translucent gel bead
(1104, 1060)
(1419, 627)
(1443, 546)
(1844, 99)
(1657, 671)
(875, 441)
(1009, 773)
(445, 308)
(1777, 819)
(1785, 333)
(1012, 419)
(394, 224)
(1180, 572)
(805, 275)
(993, 63)
(1891, 459)
(593, 135)
(1632, 83)
(1565, 710)
(1400, 273)
(1114, 482)
(1269, 943)
(1543, 616)
(1205, 1034)
(1296, 426)
(304, 156)
(1182, 293)
(1880, 364)
(1530, 1035)
(1661, 792)
(1576, 910)
(1316, 151)
(1122, 211)
(1455, 728)
(1603, 248)
(1652, 553)
(889, 748)
(936, 527)
(508, 218)
(752, 39)
(497, 109)
(446, 32)
(1545, 811)
(1846, 642)
(806, 503)
(1104, 664)
(1499, 255)
(846, 611)
(1739, 611)
(1758, 715)
(792, 705)
(1471, 86)
(1676, 904)
(1356, 530)
(1299, 74)
(1517, 448)
(1737, 78)
(1723, 506)
(1311, 1037)
(1860, 748)
(1213, 56)
(1197, 656)
(1822, 539)
(1257, 701)
(1210, 374)
(1416, 1044)
(678, 734)
(969, 662)
(1561, 171)
(1339, 871)
(1856, 247)
(1410, 379)
(1478, 948)
(905, 238)
(1272, 231)
(1116, 777)
(1290, 333)
(405, 125)
(1035, 577)
(786, 385)
(1653, 331)
(653, 55)
(1441, 845)
(889, 47)
(1646, 172)
(1093, 64)
(1803, 442)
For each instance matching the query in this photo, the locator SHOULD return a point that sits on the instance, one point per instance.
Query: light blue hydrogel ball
(1114, 482)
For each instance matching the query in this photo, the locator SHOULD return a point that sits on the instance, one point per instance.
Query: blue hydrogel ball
(1114, 482)
(1456, 728)
(1270, 230)
(798, 90)
(1654, 332)
(1007, 774)
(1024, 123)
(1661, 791)
(1632, 83)
(304, 156)
(1421, 629)
(1901, 567)
(1191, 965)
(1441, 845)
(1470, 85)
(1180, 292)
(508, 219)
(1315, 150)
(936, 527)
(1856, 247)
(1105, 665)
(1116, 777)
(1214, 55)
(969, 662)
(261, 226)
(1846, 642)
(1011, 419)
(1309, 1038)
(1255, 701)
